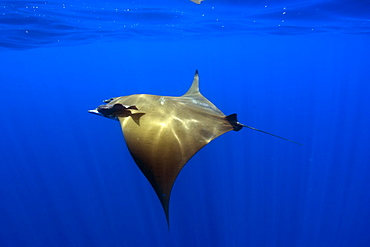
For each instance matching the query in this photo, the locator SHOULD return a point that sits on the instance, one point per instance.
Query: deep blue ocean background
(298, 69)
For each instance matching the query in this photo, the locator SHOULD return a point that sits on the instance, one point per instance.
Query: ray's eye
(108, 100)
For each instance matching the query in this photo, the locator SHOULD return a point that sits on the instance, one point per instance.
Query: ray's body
(163, 132)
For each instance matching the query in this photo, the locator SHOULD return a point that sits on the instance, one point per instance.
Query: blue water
(298, 69)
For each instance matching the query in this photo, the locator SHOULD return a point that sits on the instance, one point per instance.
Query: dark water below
(67, 178)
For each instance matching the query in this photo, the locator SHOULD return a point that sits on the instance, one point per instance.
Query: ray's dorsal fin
(233, 120)
(194, 88)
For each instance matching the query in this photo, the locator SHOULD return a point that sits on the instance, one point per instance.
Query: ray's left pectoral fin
(197, 1)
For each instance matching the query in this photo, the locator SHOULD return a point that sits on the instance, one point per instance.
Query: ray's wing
(197, 1)
(169, 132)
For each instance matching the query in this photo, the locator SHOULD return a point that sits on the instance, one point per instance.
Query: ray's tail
(238, 126)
